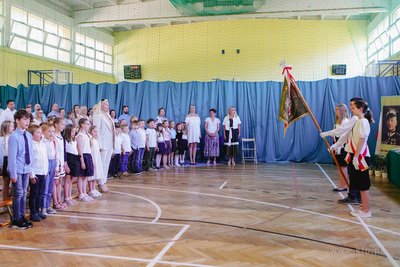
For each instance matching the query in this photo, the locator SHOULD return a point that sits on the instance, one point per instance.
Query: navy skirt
(74, 164)
(89, 171)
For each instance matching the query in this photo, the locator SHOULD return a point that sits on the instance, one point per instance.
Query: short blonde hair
(46, 126)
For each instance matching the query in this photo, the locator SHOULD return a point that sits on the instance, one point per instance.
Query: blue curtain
(257, 104)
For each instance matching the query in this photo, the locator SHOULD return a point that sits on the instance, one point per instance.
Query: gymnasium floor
(243, 215)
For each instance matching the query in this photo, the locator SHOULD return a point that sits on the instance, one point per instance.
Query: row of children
(41, 156)
(139, 147)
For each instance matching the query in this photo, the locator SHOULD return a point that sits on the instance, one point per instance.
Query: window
(50, 27)
(50, 52)
(18, 44)
(65, 44)
(20, 29)
(64, 32)
(89, 63)
(63, 56)
(89, 42)
(92, 53)
(99, 66)
(39, 36)
(79, 49)
(52, 39)
(80, 38)
(396, 46)
(19, 15)
(36, 35)
(35, 21)
(35, 48)
(99, 46)
(80, 61)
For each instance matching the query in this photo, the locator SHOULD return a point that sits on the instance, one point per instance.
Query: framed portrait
(389, 126)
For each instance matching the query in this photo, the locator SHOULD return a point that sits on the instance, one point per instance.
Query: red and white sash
(361, 158)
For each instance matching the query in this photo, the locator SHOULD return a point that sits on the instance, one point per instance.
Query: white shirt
(40, 163)
(86, 149)
(60, 149)
(50, 148)
(4, 144)
(126, 142)
(360, 130)
(142, 138)
(118, 144)
(344, 127)
(72, 148)
(212, 126)
(236, 122)
(152, 135)
(160, 138)
(7, 115)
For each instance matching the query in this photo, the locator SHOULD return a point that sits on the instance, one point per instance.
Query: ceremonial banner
(389, 127)
(292, 108)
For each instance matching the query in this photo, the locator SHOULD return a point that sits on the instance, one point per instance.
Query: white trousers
(105, 159)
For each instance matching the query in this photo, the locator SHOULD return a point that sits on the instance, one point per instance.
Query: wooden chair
(247, 147)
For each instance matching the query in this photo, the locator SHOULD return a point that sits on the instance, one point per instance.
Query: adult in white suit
(106, 138)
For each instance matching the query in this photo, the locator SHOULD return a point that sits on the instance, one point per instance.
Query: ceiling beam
(166, 14)
(87, 3)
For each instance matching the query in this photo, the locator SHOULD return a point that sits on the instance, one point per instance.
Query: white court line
(167, 247)
(222, 186)
(116, 220)
(152, 202)
(258, 202)
(394, 263)
(101, 256)
(333, 184)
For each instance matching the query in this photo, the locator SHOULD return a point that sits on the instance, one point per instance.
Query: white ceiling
(124, 15)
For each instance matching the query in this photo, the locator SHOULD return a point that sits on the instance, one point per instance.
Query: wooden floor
(243, 215)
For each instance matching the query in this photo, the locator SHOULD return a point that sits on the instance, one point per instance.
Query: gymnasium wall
(193, 52)
(14, 68)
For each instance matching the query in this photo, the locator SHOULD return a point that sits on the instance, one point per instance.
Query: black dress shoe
(339, 190)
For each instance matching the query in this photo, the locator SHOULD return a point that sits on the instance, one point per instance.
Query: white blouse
(212, 126)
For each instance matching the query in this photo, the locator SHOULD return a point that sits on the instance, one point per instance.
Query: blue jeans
(45, 198)
(139, 160)
(115, 164)
(134, 156)
(19, 201)
(124, 162)
(34, 194)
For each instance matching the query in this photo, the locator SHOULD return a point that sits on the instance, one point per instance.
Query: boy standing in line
(20, 157)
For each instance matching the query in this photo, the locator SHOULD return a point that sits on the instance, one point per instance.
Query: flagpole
(316, 123)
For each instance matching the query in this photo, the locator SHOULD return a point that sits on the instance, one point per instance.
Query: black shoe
(28, 223)
(19, 224)
(348, 200)
(339, 190)
(42, 216)
(35, 217)
(359, 200)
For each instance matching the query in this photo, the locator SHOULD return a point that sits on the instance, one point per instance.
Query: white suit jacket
(106, 136)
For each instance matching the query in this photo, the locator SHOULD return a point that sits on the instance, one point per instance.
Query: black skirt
(359, 180)
(173, 145)
(74, 164)
(340, 158)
